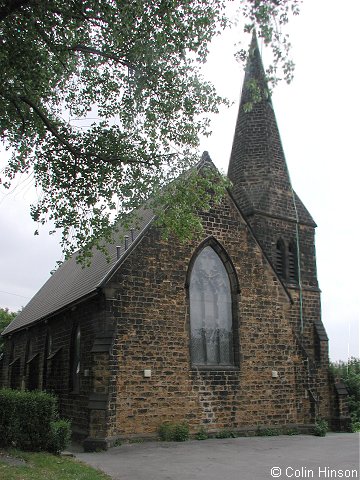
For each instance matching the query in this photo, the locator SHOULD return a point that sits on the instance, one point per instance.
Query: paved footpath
(245, 458)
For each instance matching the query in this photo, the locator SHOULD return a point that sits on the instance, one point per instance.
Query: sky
(318, 119)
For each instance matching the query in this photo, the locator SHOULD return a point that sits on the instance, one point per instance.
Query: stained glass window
(210, 311)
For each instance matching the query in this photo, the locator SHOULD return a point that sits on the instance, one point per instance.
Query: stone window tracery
(211, 321)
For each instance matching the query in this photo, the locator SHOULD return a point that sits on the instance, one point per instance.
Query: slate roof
(341, 388)
(72, 282)
(320, 330)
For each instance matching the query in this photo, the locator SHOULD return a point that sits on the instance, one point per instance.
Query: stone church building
(222, 332)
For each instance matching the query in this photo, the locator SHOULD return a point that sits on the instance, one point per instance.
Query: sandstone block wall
(150, 303)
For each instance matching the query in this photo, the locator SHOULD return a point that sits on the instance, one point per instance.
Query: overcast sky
(318, 120)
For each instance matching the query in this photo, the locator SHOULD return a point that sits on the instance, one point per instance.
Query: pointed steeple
(257, 169)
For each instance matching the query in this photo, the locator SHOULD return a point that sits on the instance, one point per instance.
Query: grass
(44, 466)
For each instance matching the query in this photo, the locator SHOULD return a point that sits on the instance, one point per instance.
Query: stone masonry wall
(53, 374)
(133, 380)
(270, 229)
(151, 307)
(312, 366)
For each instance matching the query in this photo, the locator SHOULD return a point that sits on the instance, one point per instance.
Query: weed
(321, 427)
(174, 432)
(355, 426)
(136, 440)
(291, 431)
(266, 432)
(201, 434)
(225, 434)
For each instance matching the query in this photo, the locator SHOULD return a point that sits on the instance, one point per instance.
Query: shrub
(29, 421)
(201, 434)
(174, 432)
(349, 372)
(355, 426)
(165, 432)
(321, 427)
(8, 419)
(60, 436)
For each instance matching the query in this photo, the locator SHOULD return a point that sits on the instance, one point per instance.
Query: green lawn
(15, 465)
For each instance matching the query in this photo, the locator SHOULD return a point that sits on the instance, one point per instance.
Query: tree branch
(48, 42)
(50, 126)
(12, 6)
(17, 108)
(69, 147)
(95, 51)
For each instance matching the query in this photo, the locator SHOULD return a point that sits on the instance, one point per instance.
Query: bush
(60, 436)
(321, 427)
(225, 434)
(174, 432)
(349, 372)
(202, 434)
(355, 426)
(8, 419)
(29, 421)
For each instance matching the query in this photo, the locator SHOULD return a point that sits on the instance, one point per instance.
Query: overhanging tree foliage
(102, 101)
(349, 373)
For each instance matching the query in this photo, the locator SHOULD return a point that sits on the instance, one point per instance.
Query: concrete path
(251, 458)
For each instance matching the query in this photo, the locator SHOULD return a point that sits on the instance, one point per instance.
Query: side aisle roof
(72, 282)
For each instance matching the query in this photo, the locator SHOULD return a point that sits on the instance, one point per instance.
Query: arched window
(47, 353)
(14, 368)
(75, 360)
(280, 258)
(211, 315)
(31, 365)
(29, 349)
(292, 261)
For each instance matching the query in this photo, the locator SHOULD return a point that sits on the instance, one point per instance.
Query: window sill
(217, 368)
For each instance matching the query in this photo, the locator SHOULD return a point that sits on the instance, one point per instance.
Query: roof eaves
(89, 295)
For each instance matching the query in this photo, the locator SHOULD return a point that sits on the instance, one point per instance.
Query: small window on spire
(280, 258)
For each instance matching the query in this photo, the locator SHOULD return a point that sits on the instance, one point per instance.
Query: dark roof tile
(72, 282)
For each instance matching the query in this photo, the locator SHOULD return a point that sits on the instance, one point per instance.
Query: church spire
(257, 169)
